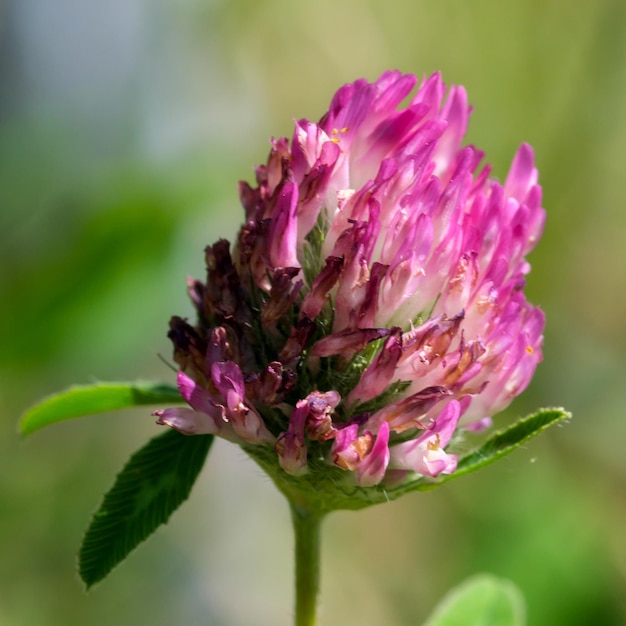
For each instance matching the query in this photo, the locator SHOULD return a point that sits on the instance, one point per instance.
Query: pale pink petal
(190, 422)
(426, 455)
(372, 468)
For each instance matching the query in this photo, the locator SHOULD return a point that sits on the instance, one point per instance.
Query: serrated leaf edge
(110, 528)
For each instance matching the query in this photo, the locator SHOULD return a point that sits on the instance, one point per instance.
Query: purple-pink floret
(373, 304)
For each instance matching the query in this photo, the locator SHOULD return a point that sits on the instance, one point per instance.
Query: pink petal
(380, 372)
(425, 455)
(372, 468)
(290, 445)
(283, 231)
(194, 395)
(190, 422)
(522, 175)
(347, 342)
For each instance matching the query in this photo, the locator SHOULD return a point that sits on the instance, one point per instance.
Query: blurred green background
(124, 128)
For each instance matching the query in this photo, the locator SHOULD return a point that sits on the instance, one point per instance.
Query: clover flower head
(372, 306)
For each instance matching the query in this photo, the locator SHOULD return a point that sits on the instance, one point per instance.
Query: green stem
(306, 525)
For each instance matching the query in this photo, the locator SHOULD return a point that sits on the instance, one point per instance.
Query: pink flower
(372, 306)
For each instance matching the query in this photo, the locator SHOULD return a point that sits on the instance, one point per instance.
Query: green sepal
(483, 600)
(83, 400)
(155, 481)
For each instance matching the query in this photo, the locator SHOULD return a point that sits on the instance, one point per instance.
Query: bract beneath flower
(372, 306)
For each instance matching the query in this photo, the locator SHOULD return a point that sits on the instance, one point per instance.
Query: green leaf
(82, 400)
(505, 441)
(482, 600)
(497, 446)
(156, 480)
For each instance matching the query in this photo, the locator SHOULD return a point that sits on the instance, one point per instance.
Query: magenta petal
(194, 395)
(456, 114)
(283, 232)
(522, 175)
(380, 372)
(306, 146)
(409, 412)
(344, 452)
(347, 342)
(229, 381)
(291, 451)
(314, 188)
(217, 349)
(290, 445)
(430, 92)
(345, 436)
(318, 295)
(445, 425)
(392, 88)
(349, 107)
(244, 418)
